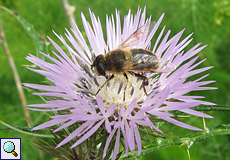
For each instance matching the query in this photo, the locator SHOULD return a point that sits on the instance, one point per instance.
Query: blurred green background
(208, 19)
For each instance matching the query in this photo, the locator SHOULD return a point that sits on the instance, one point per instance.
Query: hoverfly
(128, 60)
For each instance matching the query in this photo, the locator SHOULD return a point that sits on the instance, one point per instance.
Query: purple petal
(178, 106)
(100, 104)
(196, 113)
(108, 141)
(181, 124)
(87, 128)
(126, 142)
(49, 123)
(42, 87)
(166, 91)
(74, 134)
(49, 110)
(160, 114)
(151, 34)
(131, 107)
(110, 110)
(88, 134)
(116, 147)
(65, 125)
(137, 117)
(144, 123)
(85, 104)
(85, 117)
(138, 140)
(158, 39)
(107, 126)
(130, 136)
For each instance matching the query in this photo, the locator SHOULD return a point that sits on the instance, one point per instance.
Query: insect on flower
(130, 60)
(122, 68)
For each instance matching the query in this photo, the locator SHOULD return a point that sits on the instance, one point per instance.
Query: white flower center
(120, 90)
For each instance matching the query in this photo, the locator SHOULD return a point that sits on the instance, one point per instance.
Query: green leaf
(212, 108)
(187, 140)
(24, 132)
(49, 148)
(40, 44)
(27, 129)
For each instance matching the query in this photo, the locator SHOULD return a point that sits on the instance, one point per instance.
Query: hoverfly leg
(144, 90)
(108, 79)
(145, 83)
(125, 85)
(142, 77)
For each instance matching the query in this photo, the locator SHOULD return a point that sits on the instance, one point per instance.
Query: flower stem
(69, 10)
(15, 73)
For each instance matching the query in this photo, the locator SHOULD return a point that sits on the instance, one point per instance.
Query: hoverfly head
(99, 65)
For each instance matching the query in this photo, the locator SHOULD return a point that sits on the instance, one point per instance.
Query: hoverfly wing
(165, 66)
(144, 60)
(139, 36)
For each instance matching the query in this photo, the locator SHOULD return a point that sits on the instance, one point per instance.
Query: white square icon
(10, 148)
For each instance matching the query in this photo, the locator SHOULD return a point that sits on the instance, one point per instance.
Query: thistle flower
(75, 84)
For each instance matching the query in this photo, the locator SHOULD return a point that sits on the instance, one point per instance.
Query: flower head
(121, 106)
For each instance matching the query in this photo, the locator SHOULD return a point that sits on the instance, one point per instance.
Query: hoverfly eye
(99, 65)
(101, 69)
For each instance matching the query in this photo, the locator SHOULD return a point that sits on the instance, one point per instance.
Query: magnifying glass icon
(9, 147)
